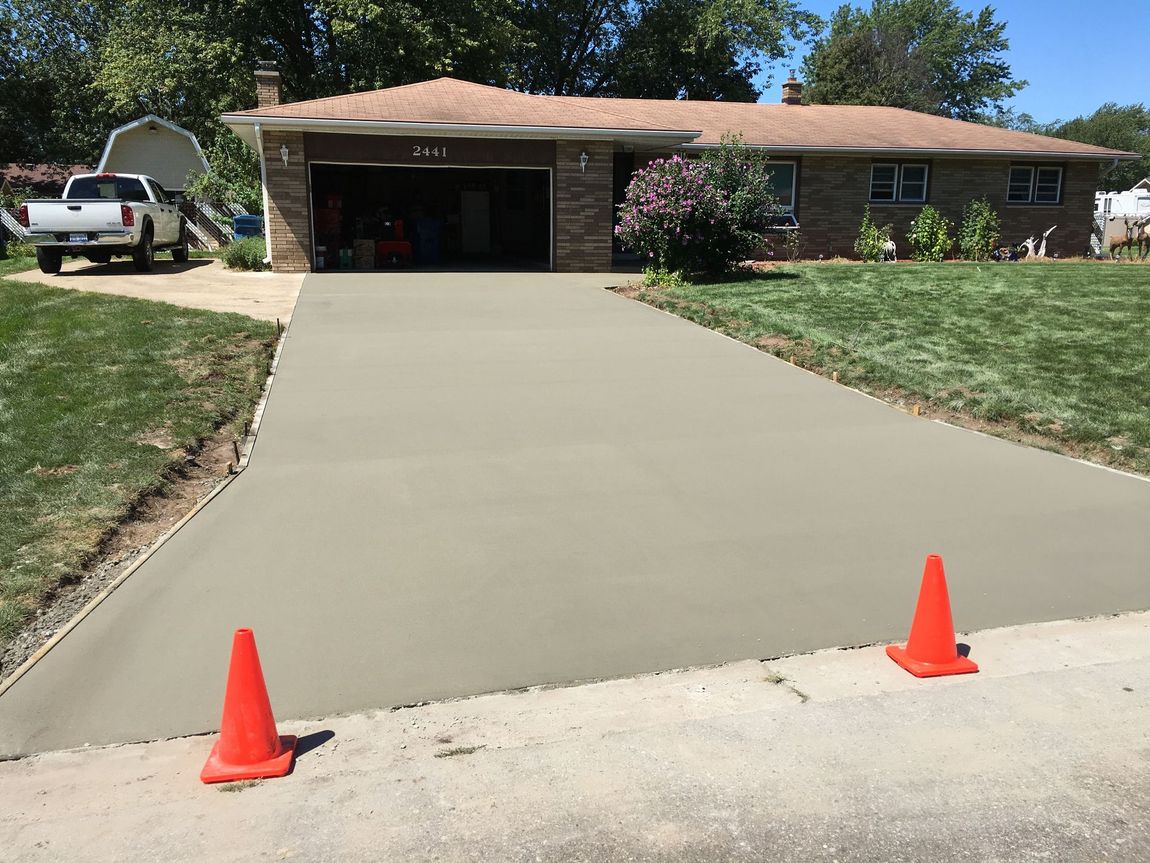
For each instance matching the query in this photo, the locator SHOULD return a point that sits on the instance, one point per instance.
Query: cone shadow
(308, 742)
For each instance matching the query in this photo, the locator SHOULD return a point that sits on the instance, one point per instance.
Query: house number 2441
(427, 152)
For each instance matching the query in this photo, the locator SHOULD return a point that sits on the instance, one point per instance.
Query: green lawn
(98, 396)
(1056, 353)
(16, 265)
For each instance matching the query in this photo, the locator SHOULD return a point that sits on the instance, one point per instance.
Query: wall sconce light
(284, 153)
(583, 161)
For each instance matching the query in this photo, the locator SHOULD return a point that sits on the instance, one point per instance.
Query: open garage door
(381, 216)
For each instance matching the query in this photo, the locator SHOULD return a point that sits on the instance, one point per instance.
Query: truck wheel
(144, 256)
(49, 260)
(180, 252)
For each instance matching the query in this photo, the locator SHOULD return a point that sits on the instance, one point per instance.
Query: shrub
(871, 238)
(743, 176)
(246, 254)
(18, 249)
(929, 236)
(978, 236)
(707, 215)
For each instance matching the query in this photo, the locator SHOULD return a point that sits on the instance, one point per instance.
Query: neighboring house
(42, 181)
(449, 172)
(154, 146)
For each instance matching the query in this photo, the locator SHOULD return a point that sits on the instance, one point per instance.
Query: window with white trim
(782, 183)
(894, 181)
(1034, 184)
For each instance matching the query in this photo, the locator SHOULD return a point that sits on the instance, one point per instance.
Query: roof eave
(929, 151)
(238, 122)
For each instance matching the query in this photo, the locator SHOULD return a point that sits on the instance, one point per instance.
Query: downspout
(264, 185)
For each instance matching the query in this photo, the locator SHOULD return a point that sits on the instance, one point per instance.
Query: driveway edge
(245, 457)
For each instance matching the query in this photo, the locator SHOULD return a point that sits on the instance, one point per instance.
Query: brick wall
(833, 191)
(269, 89)
(583, 206)
(288, 222)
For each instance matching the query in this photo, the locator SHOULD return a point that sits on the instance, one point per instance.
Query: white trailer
(1112, 209)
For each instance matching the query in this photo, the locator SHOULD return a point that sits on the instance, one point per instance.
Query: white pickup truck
(102, 216)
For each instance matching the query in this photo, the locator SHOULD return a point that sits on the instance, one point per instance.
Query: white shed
(154, 146)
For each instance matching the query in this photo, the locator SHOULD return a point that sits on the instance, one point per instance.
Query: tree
(706, 49)
(1119, 127)
(924, 55)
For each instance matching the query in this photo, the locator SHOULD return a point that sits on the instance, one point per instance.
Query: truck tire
(144, 255)
(180, 252)
(49, 260)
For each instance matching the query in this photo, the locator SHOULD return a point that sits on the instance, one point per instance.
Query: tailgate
(74, 216)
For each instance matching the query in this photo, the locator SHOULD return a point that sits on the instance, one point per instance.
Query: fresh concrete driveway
(469, 483)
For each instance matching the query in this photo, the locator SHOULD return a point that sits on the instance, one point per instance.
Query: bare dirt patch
(153, 516)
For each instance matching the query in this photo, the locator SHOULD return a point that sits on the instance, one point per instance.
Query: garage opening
(377, 217)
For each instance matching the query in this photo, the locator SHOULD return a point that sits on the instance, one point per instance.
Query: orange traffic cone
(249, 746)
(931, 651)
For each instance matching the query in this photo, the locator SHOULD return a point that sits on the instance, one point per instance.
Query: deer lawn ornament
(1031, 243)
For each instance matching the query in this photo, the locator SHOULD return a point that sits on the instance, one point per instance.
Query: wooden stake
(236, 449)
(914, 410)
(835, 377)
(793, 360)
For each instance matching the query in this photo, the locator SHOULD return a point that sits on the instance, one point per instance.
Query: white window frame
(902, 181)
(787, 208)
(1032, 185)
(1057, 189)
(897, 196)
(894, 183)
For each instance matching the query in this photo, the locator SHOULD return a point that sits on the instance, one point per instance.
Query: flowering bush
(929, 235)
(688, 216)
(670, 214)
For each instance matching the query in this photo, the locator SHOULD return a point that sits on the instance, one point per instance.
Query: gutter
(264, 189)
(458, 129)
(925, 151)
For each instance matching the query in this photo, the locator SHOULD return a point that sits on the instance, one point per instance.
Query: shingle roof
(777, 126)
(447, 100)
(40, 178)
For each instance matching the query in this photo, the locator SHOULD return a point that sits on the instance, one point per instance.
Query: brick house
(448, 173)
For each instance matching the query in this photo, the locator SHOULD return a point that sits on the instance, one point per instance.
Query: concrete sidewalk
(476, 482)
(1044, 755)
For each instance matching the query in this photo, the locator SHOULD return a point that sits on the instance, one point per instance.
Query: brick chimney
(792, 90)
(269, 84)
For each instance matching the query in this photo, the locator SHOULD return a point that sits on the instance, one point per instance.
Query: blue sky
(1073, 63)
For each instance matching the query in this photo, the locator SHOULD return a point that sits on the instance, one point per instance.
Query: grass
(1055, 353)
(16, 265)
(99, 399)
